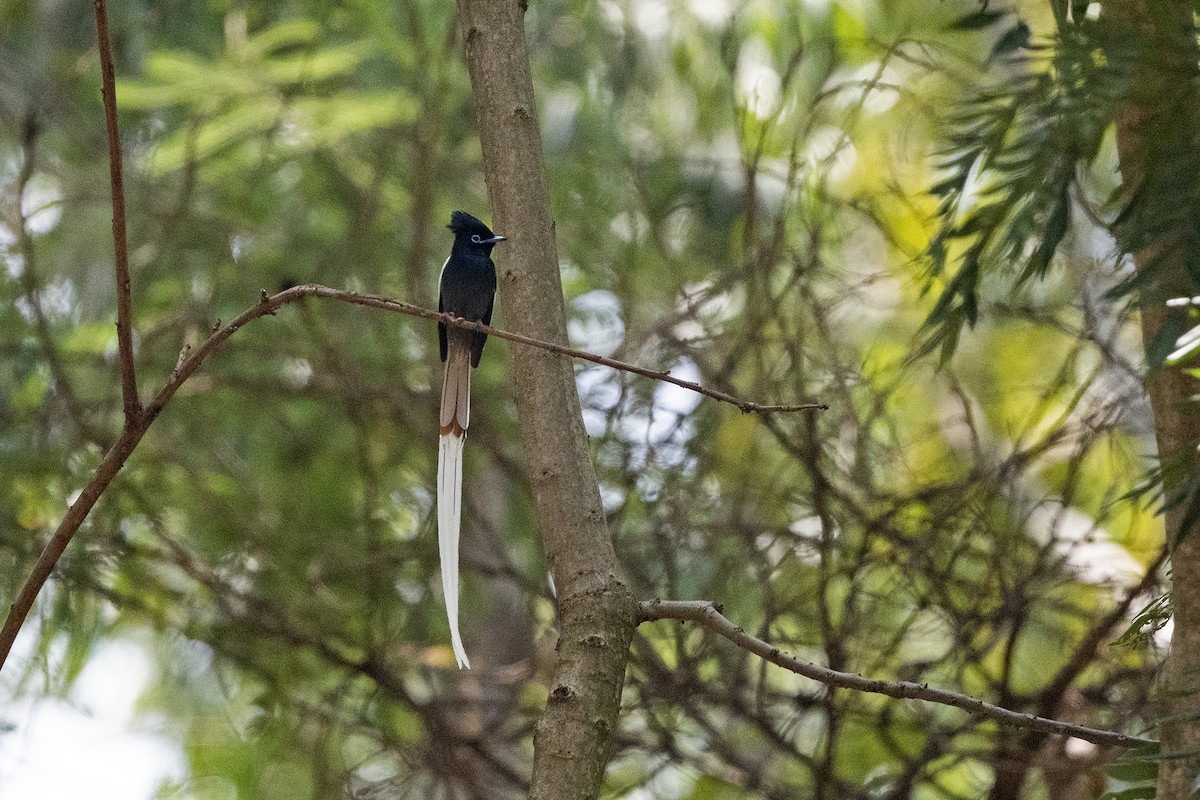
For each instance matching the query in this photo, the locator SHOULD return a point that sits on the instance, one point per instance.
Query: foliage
(741, 197)
(1013, 160)
(1137, 771)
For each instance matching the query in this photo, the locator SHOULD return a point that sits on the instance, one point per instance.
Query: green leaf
(317, 65)
(234, 125)
(1147, 622)
(288, 33)
(1135, 793)
(1184, 345)
(1053, 232)
(1015, 38)
(330, 119)
(1139, 764)
(949, 344)
(174, 78)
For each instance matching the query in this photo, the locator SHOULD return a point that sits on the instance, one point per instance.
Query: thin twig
(710, 616)
(129, 393)
(399, 306)
(744, 405)
(187, 365)
(269, 304)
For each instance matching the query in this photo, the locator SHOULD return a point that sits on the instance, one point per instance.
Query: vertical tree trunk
(1156, 125)
(596, 610)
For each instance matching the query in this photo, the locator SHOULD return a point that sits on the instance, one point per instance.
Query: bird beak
(495, 239)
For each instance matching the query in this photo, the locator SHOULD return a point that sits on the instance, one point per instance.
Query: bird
(467, 289)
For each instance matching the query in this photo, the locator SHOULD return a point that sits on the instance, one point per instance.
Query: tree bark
(597, 611)
(1156, 123)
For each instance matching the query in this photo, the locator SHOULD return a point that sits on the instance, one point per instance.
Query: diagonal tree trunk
(1157, 126)
(596, 609)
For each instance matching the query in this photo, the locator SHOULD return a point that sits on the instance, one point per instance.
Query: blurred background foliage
(762, 196)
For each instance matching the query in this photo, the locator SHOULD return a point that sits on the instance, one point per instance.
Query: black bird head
(470, 232)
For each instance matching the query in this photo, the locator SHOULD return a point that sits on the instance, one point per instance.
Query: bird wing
(479, 339)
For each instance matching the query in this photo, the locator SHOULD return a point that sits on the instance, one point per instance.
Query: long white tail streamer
(449, 500)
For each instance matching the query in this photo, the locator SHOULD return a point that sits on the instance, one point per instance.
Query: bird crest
(463, 224)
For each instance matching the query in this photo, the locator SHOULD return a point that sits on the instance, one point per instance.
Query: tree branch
(189, 362)
(129, 393)
(269, 304)
(709, 615)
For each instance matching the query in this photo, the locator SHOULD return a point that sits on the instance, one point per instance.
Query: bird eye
(475, 238)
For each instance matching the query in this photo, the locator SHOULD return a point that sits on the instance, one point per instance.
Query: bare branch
(269, 304)
(709, 615)
(745, 405)
(129, 394)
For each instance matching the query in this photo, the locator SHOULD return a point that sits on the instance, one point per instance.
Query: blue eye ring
(475, 238)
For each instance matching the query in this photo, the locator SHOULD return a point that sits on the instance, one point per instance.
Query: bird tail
(454, 419)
